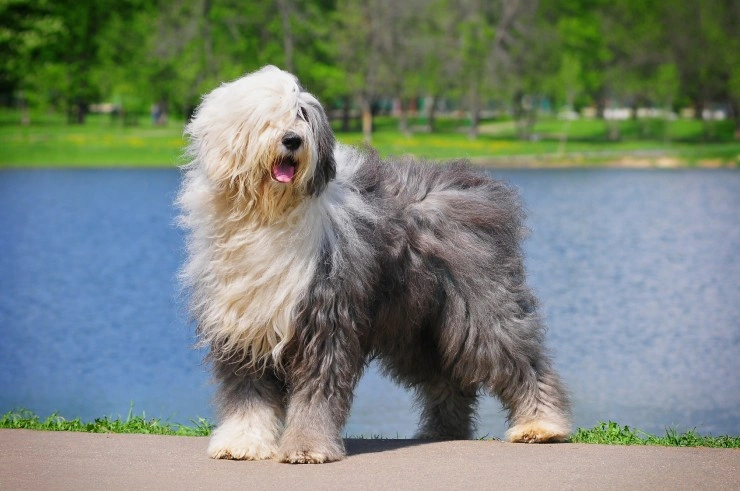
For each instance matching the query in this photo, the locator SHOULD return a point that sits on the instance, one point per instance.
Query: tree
(704, 38)
(78, 50)
(490, 33)
(358, 32)
(529, 65)
(439, 67)
(28, 31)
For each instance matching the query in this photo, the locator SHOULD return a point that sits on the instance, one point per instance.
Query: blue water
(638, 273)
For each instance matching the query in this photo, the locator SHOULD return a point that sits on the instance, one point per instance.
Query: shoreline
(579, 161)
(511, 162)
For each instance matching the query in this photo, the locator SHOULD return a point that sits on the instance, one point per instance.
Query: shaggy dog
(307, 259)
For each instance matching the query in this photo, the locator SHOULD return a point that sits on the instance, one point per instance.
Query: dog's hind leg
(447, 411)
(538, 405)
(250, 413)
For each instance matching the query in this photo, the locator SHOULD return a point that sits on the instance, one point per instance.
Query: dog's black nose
(291, 141)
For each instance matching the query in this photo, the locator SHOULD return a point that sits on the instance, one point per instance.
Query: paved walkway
(82, 461)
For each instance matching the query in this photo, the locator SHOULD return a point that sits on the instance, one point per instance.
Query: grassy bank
(604, 433)
(105, 142)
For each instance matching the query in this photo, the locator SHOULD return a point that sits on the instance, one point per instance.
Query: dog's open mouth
(284, 168)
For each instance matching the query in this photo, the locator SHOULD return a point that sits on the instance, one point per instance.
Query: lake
(638, 273)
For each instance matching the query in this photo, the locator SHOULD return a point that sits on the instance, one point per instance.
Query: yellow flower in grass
(77, 139)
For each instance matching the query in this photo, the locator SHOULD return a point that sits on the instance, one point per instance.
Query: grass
(103, 142)
(612, 433)
(23, 419)
(688, 142)
(49, 142)
(604, 433)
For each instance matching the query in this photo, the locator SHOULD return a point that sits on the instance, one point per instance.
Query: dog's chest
(260, 276)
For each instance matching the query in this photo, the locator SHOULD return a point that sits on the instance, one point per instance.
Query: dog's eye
(303, 114)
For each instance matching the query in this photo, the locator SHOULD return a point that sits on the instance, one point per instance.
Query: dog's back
(447, 254)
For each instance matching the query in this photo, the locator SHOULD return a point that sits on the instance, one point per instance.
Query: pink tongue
(283, 172)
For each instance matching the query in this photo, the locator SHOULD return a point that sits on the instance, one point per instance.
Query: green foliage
(66, 54)
(28, 30)
(24, 419)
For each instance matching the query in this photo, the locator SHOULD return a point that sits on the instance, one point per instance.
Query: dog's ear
(326, 166)
(215, 147)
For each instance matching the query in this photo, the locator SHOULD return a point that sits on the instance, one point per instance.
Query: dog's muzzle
(292, 141)
(284, 169)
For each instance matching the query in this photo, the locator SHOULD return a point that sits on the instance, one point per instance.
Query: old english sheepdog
(307, 259)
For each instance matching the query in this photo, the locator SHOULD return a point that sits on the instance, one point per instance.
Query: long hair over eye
(303, 114)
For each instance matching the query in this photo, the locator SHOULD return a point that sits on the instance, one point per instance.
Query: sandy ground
(81, 461)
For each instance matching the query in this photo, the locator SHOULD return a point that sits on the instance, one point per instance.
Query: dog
(306, 259)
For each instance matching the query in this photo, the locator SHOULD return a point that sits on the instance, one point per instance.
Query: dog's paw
(307, 457)
(240, 442)
(255, 452)
(311, 453)
(240, 448)
(538, 432)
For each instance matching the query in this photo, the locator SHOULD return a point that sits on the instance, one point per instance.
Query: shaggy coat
(307, 259)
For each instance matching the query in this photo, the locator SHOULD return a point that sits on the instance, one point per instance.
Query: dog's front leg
(312, 433)
(322, 382)
(250, 414)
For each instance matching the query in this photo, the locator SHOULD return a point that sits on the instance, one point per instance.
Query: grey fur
(429, 280)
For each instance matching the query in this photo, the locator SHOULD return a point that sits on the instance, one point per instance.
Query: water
(638, 273)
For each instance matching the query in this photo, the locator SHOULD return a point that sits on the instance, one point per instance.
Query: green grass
(604, 433)
(612, 433)
(689, 143)
(103, 142)
(49, 142)
(23, 419)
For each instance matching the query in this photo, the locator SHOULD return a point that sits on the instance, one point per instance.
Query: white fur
(247, 281)
(251, 435)
(235, 138)
(250, 256)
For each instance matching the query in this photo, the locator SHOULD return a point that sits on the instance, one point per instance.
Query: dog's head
(263, 141)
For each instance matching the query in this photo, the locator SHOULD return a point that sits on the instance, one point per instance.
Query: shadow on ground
(359, 446)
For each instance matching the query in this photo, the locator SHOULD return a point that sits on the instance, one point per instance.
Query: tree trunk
(431, 111)
(285, 9)
(403, 119)
(612, 130)
(531, 117)
(600, 107)
(367, 119)
(346, 108)
(25, 115)
(699, 109)
(76, 112)
(736, 114)
(519, 115)
(207, 38)
(474, 112)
